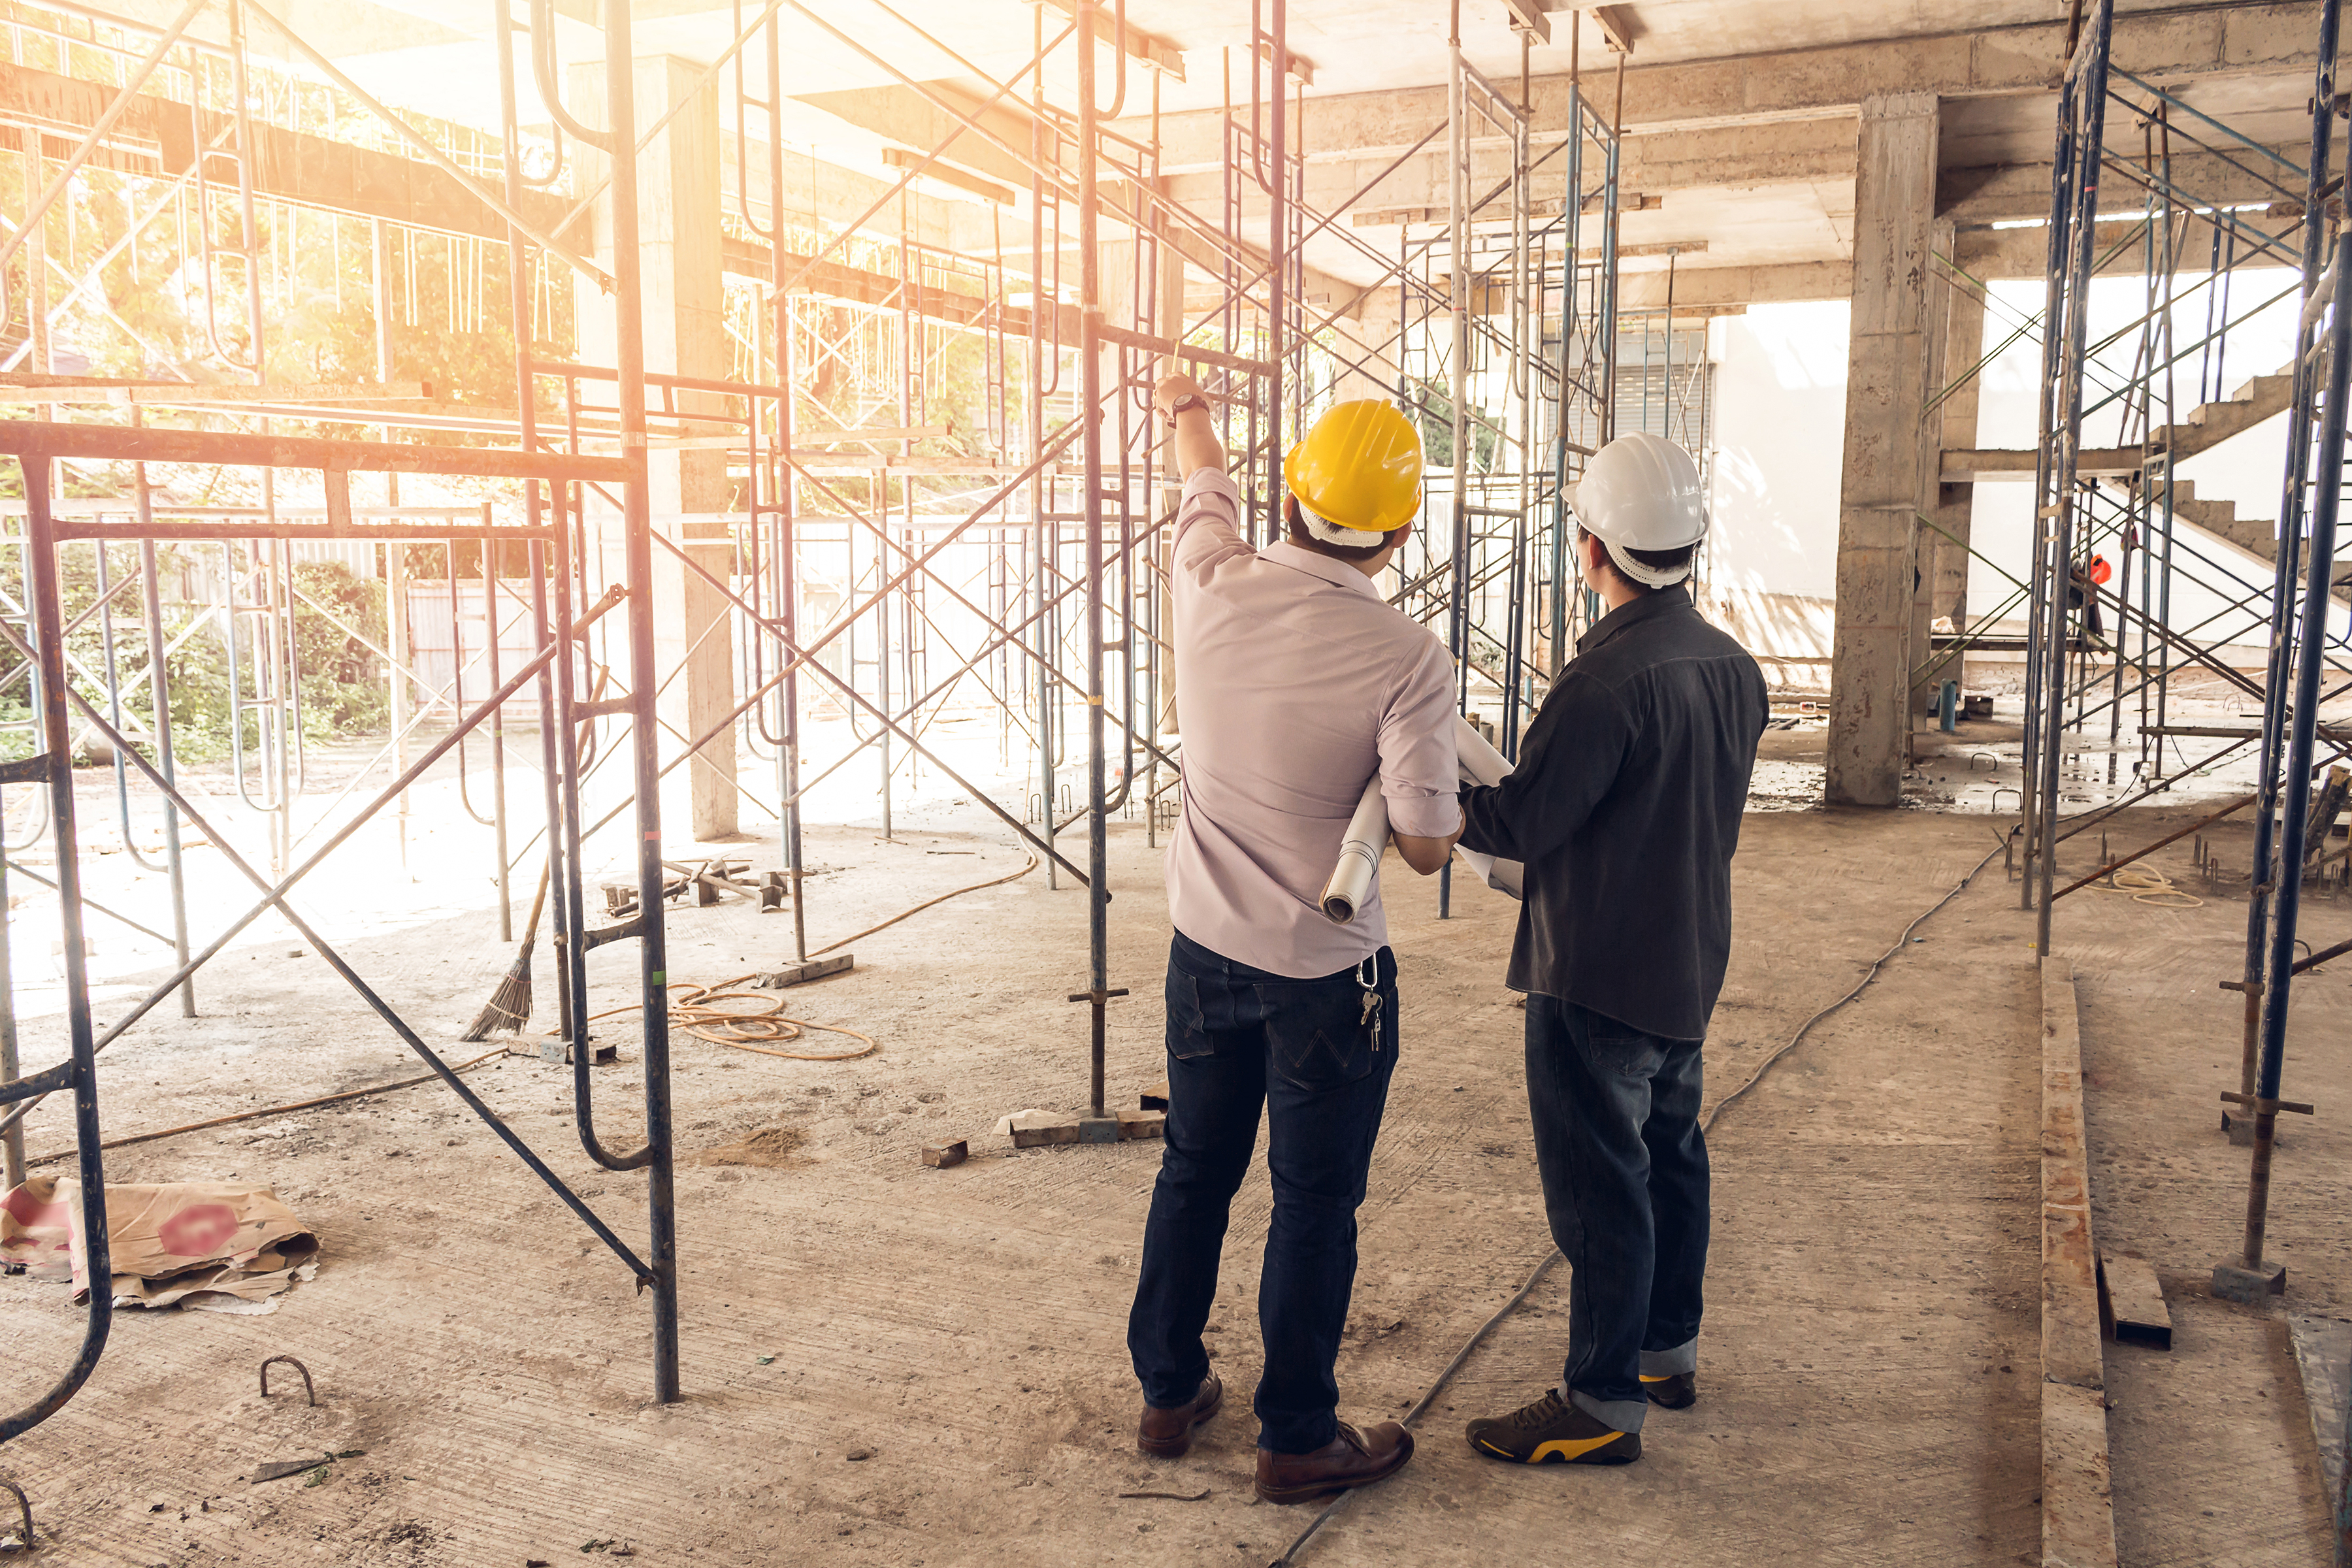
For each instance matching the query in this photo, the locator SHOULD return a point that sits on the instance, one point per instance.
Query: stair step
(2243, 406)
(2254, 388)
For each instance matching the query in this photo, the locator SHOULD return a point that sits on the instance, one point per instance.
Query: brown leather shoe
(1353, 1458)
(1169, 1433)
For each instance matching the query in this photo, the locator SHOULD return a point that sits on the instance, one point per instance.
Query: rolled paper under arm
(1482, 764)
(1359, 857)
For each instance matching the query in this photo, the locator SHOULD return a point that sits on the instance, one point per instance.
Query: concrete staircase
(2208, 426)
(2211, 424)
(2256, 539)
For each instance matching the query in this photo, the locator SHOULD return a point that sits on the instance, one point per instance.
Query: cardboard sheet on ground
(222, 1246)
(1481, 763)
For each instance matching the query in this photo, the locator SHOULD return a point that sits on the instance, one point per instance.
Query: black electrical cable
(1290, 1556)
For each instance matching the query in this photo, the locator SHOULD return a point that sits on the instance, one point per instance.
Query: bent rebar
(306, 1388)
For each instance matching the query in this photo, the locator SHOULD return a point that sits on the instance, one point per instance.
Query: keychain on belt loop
(1368, 975)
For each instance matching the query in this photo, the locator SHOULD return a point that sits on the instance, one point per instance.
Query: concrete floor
(1869, 1380)
(2212, 1443)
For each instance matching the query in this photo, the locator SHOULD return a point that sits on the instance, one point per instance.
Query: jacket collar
(1675, 600)
(1341, 573)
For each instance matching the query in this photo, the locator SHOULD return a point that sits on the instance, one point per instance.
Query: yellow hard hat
(1359, 468)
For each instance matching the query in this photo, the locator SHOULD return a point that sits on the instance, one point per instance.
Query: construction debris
(221, 1246)
(2132, 1301)
(806, 970)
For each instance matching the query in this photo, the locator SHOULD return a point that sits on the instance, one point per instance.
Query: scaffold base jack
(2249, 1286)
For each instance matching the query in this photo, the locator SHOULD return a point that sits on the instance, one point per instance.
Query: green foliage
(336, 616)
(342, 678)
(1432, 412)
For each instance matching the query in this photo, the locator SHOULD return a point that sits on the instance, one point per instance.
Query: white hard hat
(1643, 492)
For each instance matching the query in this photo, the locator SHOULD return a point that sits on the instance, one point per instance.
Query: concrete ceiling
(1739, 113)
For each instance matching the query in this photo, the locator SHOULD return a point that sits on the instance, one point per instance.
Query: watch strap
(1189, 400)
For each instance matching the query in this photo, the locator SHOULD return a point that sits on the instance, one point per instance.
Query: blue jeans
(1239, 1038)
(1625, 1185)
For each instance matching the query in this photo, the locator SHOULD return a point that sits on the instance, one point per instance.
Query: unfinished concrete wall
(1885, 470)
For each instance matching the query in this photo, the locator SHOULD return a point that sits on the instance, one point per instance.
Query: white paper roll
(1350, 886)
(1482, 764)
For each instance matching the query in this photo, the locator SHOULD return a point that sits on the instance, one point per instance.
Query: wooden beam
(92, 389)
(157, 136)
(1616, 25)
(2078, 1522)
(946, 173)
(1301, 69)
(1156, 52)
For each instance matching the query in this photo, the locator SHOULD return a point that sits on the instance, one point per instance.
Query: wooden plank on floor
(2135, 1300)
(2078, 1513)
(2078, 1519)
(2070, 1289)
(2323, 1358)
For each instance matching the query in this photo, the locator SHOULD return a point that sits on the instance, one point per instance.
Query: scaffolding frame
(1043, 523)
(2308, 663)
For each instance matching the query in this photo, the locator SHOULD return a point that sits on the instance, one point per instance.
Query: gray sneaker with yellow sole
(1552, 1431)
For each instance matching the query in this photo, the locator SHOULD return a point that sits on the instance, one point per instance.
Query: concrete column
(685, 334)
(1373, 373)
(1943, 554)
(1894, 194)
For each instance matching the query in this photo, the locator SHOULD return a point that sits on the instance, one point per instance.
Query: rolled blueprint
(1359, 857)
(1482, 764)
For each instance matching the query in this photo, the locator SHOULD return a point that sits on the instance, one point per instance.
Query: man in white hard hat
(1625, 806)
(1297, 683)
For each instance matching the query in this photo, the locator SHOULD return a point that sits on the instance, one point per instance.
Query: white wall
(2245, 470)
(1779, 438)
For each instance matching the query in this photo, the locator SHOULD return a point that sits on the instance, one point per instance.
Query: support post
(1894, 193)
(1955, 337)
(2286, 897)
(628, 317)
(1090, 412)
(678, 245)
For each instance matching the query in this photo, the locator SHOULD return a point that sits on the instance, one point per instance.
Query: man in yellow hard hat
(1296, 684)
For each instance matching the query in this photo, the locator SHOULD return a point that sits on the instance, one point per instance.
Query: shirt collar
(1341, 574)
(1632, 613)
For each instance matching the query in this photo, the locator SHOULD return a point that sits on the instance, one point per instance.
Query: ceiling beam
(2008, 192)
(1808, 84)
(154, 136)
(1528, 16)
(1616, 24)
(1991, 255)
(1156, 52)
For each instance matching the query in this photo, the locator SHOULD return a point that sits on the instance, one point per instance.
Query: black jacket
(1625, 806)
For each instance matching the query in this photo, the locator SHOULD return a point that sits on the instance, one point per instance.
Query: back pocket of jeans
(1316, 1034)
(1627, 1056)
(1188, 1034)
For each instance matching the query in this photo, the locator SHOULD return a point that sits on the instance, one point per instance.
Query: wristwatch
(1189, 400)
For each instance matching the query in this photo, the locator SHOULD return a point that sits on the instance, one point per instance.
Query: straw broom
(508, 1007)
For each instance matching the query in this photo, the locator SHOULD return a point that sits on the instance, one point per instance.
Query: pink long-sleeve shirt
(1295, 681)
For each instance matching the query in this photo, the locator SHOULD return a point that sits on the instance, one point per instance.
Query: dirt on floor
(2211, 1441)
(892, 1363)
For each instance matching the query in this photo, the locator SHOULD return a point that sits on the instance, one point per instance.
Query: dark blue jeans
(1239, 1038)
(1625, 1185)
